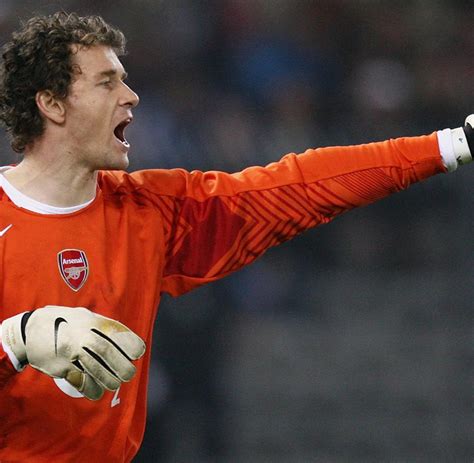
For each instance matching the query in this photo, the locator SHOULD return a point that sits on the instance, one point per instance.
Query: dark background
(350, 343)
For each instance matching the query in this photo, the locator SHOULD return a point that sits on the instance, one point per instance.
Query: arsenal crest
(73, 267)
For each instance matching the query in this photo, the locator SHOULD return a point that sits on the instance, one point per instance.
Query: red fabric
(197, 236)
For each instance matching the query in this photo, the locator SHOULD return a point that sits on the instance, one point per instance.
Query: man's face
(98, 108)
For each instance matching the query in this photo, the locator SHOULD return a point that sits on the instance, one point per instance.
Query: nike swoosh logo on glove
(57, 322)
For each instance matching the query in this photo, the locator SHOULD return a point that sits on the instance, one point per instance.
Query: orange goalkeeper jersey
(158, 231)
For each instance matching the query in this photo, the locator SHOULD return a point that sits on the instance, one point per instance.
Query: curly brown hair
(39, 57)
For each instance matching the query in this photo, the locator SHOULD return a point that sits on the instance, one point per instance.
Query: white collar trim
(25, 202)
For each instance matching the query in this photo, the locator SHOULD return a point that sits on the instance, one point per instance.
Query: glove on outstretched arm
(90, 351)
(463, 141)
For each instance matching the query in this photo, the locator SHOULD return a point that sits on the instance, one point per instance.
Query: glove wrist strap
(460, 145)
(469, 132)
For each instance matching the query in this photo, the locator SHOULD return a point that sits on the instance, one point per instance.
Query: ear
(50, 106)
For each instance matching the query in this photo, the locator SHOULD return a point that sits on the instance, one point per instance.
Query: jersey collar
(25, 202)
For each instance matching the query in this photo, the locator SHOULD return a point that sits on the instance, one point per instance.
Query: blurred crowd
(352, 342)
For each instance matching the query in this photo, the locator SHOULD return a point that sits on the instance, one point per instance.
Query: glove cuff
(462, 139)
(13, 339)
(460, 145)
(469, 132)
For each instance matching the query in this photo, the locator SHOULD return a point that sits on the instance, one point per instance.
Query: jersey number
(115, 399)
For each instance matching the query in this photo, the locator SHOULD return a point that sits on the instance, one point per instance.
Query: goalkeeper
(86, 249)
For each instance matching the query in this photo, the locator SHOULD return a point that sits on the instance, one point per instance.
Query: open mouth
(119, 132)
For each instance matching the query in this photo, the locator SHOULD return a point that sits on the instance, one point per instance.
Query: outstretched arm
(215, 222)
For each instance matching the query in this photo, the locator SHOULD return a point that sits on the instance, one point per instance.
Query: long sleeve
(215, 222)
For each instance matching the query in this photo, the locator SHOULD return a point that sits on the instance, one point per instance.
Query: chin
(115, 161)
(122, 164)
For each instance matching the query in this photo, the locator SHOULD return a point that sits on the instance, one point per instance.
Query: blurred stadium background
(353, 343)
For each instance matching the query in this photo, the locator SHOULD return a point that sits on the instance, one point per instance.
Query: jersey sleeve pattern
(215, 222)
(213, 238)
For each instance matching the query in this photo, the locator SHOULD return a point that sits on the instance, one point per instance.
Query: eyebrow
(111, 73)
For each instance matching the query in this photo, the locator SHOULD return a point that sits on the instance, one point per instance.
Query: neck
(53, 180)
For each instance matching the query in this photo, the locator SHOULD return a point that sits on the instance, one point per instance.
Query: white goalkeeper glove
(463, 141)
(90, 351)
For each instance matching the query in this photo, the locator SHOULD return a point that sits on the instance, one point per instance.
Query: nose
(129, 98)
